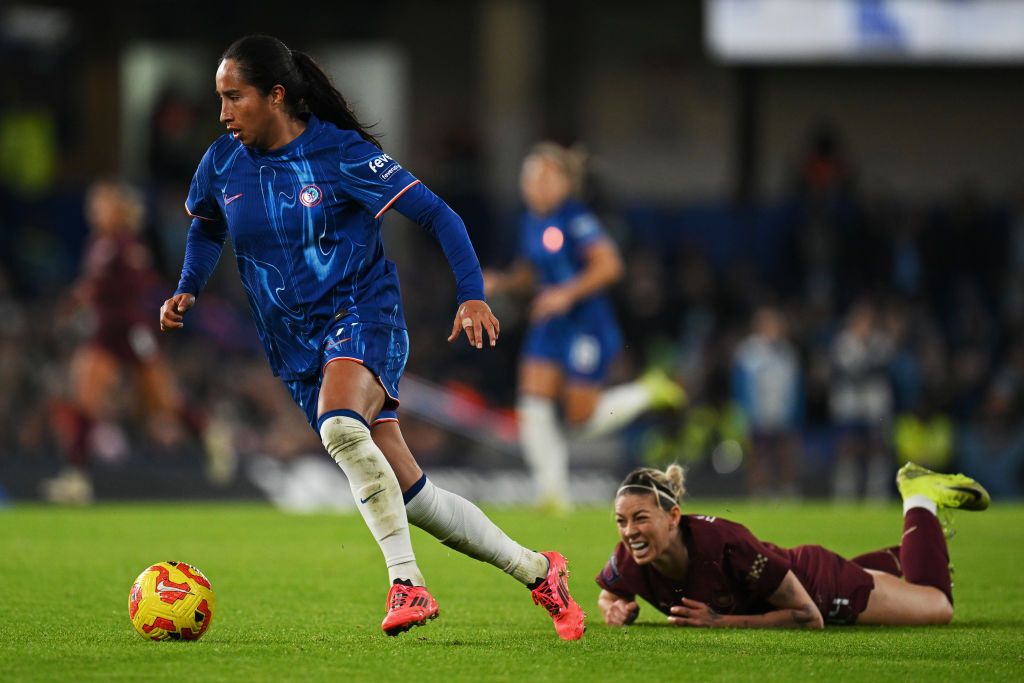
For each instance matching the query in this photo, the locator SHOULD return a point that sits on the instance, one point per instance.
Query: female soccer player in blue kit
(573, 336)
(301, 187)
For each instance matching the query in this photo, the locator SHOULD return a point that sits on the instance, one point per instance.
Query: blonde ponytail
(571, 161)
(669, 487)
(675, 477)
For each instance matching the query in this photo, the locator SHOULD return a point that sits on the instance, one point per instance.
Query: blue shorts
(382, 349)
(585, 352)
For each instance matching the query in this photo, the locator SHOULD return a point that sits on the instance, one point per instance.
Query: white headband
(652, 489)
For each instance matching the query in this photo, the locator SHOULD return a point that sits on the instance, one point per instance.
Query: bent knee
(574, 419)
(342, 428)
(578, 412)
(938, 612)
(341, 434)
(943, 612)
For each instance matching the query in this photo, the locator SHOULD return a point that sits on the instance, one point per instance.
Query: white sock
(376, 491)
(616, 408)
(545, 447)
(920, 501)
(462, 526)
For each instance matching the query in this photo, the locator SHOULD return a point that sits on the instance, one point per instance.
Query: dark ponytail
(324, 100)
(265, 61)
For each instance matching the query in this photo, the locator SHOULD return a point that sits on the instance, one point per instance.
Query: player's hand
(693, 613)
(553, 301)
(621, 613)
(173, 311)
(475, 316)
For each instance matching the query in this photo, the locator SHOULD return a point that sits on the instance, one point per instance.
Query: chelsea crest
(310, 195)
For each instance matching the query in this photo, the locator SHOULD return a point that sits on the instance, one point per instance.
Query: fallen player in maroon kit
(708, 571)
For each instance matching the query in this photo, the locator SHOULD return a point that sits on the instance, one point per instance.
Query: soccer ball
(171, 601)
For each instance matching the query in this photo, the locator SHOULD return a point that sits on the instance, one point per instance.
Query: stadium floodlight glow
(46, 27)
(865, 30)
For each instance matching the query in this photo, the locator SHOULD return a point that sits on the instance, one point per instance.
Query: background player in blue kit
(573, 336)
(301, 187)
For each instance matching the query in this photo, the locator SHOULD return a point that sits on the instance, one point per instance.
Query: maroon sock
(923, 552)
(78, 449)
(194, 420)
(885, 560)
(73, 428)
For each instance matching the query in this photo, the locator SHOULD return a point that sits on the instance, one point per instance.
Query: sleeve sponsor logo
(384, 161)
(380, 162)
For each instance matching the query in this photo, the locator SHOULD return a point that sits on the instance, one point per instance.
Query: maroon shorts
(838, 587)
(132, 345)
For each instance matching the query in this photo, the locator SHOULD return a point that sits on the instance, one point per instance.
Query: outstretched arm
(203, 247)
(474, 315)
(796, 610)
(517, 279)
(604, 267)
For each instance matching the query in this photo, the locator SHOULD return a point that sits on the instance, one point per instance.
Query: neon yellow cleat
(665, 393)
(553, 506)
(955, 491)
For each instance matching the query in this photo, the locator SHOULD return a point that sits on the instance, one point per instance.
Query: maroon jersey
(117, 275)
(735, 573)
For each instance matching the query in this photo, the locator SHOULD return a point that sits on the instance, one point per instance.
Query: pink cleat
(408, 606)
(553, 594)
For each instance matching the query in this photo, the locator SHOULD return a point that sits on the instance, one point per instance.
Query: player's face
(101, 210)
(645, 529)
(107, 212)
(543, 184)
(250, 116)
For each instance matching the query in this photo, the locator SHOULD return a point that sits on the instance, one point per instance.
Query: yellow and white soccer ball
(171, 601)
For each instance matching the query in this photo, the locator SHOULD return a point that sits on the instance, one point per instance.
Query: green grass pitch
(301, 598)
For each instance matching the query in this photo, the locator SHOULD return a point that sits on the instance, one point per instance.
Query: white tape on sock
(376, 491)
(920, 501)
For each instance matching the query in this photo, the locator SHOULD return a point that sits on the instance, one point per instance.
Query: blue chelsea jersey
(556, 245)
(305, 224)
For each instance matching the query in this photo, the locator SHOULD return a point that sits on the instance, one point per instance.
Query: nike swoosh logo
(364, 500)
(163, 587)
(228, 200)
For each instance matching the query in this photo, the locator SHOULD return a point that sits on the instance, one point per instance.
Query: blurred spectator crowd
(822, 339)
(874, 330)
